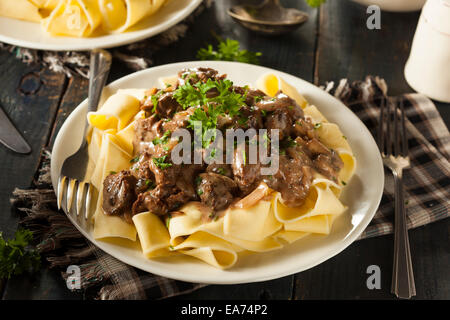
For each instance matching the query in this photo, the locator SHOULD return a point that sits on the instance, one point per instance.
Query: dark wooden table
(335, 43)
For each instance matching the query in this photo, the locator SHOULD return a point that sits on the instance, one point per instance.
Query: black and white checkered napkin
(427, 181)
(427, 185)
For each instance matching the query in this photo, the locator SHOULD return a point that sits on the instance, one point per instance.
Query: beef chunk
(247, 176)
(281, 121)
(119, 194)
(293, 180)
(329, 165)
(161, 200)
(216, 191)
(223, 169)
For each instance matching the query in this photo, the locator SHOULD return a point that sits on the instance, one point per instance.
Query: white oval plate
(31, 35)
(362, 194)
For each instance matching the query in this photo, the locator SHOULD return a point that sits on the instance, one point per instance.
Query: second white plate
(31, 35)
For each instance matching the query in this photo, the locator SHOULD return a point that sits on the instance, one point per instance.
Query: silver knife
(9, 135)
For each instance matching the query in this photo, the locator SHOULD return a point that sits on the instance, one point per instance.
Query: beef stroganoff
(225, 204)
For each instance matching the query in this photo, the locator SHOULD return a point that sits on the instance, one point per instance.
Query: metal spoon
(269, 18)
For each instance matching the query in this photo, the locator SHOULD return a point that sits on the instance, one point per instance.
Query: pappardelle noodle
(215, 210)
(81, 18)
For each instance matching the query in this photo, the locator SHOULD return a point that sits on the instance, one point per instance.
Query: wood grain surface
(333, 44)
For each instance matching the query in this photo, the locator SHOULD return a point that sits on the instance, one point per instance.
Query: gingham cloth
(427, 187)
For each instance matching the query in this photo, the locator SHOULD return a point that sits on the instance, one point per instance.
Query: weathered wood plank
(76, 92)
(30, 97)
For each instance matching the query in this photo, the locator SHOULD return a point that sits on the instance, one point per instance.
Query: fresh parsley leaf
(315, 3)
(317, 125)
(160, 162)
(155, 99)
(15, 255)
(163, 139)
(169, 216)
(228, 50)
(135, 159)
(226, 101)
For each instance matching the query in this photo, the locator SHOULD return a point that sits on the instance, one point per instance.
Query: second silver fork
(394, 151)
(70, 183)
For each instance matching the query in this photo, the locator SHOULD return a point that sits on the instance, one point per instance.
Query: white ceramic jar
(428, 68)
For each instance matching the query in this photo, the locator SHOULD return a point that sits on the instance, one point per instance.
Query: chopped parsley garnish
(226, 102)
(169, 216)
(149, 183)
(155, 99)
(266, 139)
(221, 171)
(135, 159)
(344, 183)
(258, 99)
(163, 139)
(199, 192)
(15, 255)
(315, 3)
(112, 172)
(317, 125)
(344, 137)
(290, 142)
(228, 50)
(160, 162)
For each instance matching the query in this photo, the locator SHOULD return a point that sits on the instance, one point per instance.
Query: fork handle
(100, 64)
(402, 277)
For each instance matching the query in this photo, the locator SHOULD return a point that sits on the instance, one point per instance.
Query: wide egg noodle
(332, 137)
(321, 200)
(314, 224)
(314, 114)
(153, 235)
(210, 249)
(289, 236)
(76, 18)
(253, 224)
(20, 9)
(270, 84)
(111, 158)
(116, 113)
(120, 15)
(191, 222)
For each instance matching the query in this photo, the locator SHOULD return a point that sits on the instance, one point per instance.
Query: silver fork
(70, 183)
(393, 145)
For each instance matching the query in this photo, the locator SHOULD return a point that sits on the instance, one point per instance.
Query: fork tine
(381, 125)
(71, 190)
(61, 186)
(89, 195)
(404, 137)
(388, 128)
(80, 197)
